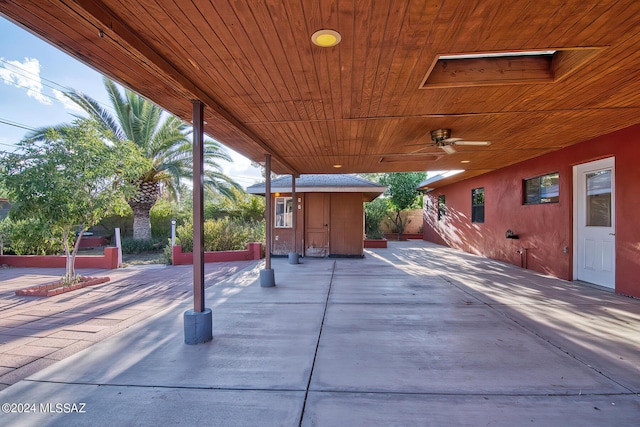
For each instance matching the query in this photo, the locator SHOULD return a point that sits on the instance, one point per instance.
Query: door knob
(612, 234)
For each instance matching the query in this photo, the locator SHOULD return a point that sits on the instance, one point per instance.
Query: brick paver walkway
(36, 332)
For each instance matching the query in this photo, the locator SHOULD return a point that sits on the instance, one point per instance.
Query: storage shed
(329, 214)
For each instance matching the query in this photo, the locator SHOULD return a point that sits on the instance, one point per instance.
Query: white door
(594, 197)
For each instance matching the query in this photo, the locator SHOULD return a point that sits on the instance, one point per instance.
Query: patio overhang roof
(369, 103)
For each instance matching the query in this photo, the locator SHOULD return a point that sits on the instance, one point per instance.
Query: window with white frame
(284, 212)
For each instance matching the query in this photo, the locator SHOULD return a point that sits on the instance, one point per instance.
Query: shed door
(347, 224)
(595, 222)
(317, 225)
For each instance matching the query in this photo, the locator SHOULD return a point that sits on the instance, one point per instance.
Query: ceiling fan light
(440, 134)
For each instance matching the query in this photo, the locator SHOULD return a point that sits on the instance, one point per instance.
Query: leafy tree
(70, 181)
(373, 177)
(374, 212)
(403, 194)
(3, 191)
(243, 206)
(247, 207)
(164, 139)
(263, 170)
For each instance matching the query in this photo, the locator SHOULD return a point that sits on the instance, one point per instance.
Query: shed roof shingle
(322, 183)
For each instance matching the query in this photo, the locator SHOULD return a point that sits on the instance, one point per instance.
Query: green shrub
(29, 237)
(123, 222)
(167, 255)
(161, 215)
(375, 234)
(184, 236)
(223, 234)
(242, 206)
(133, 246)
(374, 213)
(213, 210)
(248, 208)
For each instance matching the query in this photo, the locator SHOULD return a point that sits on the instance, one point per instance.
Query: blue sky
(32, 76)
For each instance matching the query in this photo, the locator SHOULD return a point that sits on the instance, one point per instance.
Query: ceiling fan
(442, 139)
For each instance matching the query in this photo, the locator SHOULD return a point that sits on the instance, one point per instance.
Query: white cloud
(240, 169)
(66, 102)
(24, 75)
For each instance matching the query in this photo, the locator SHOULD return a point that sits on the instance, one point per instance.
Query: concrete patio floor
(416, 334)
(37, 332)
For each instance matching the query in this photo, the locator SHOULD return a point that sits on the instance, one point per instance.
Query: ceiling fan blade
(478, 143)
(483, 143)
(448, 149)
(451, 140)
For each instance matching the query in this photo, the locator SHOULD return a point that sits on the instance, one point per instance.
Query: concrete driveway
(416, 334)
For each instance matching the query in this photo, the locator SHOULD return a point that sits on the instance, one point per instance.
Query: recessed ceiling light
(337, 166)
(326, 38)
(465, 161)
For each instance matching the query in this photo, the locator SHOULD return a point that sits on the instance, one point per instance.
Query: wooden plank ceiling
(362, 104)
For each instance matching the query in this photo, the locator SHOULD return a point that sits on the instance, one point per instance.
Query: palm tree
(163, 138)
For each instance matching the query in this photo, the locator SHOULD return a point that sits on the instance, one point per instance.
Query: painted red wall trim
(253, 252)
(546, 231)
(108, 261)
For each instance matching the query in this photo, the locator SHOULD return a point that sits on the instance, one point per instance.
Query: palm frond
(123, 109)
(170, 136)
(97, 112)
(146, 118)
(220, 183)
(214, 149)
(165, 139)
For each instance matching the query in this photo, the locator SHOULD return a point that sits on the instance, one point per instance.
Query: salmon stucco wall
(546, 230)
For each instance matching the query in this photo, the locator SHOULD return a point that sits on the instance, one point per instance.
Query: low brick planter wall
(108, 261)
(253, 252)
(56, 288)
(405, 236)
(375, 243)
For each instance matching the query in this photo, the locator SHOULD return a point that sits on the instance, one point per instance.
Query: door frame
(596, 164)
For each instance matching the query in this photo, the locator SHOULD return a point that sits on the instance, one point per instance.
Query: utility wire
(34, 76)
(15, 124)
(41, 93)
(37, 78)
